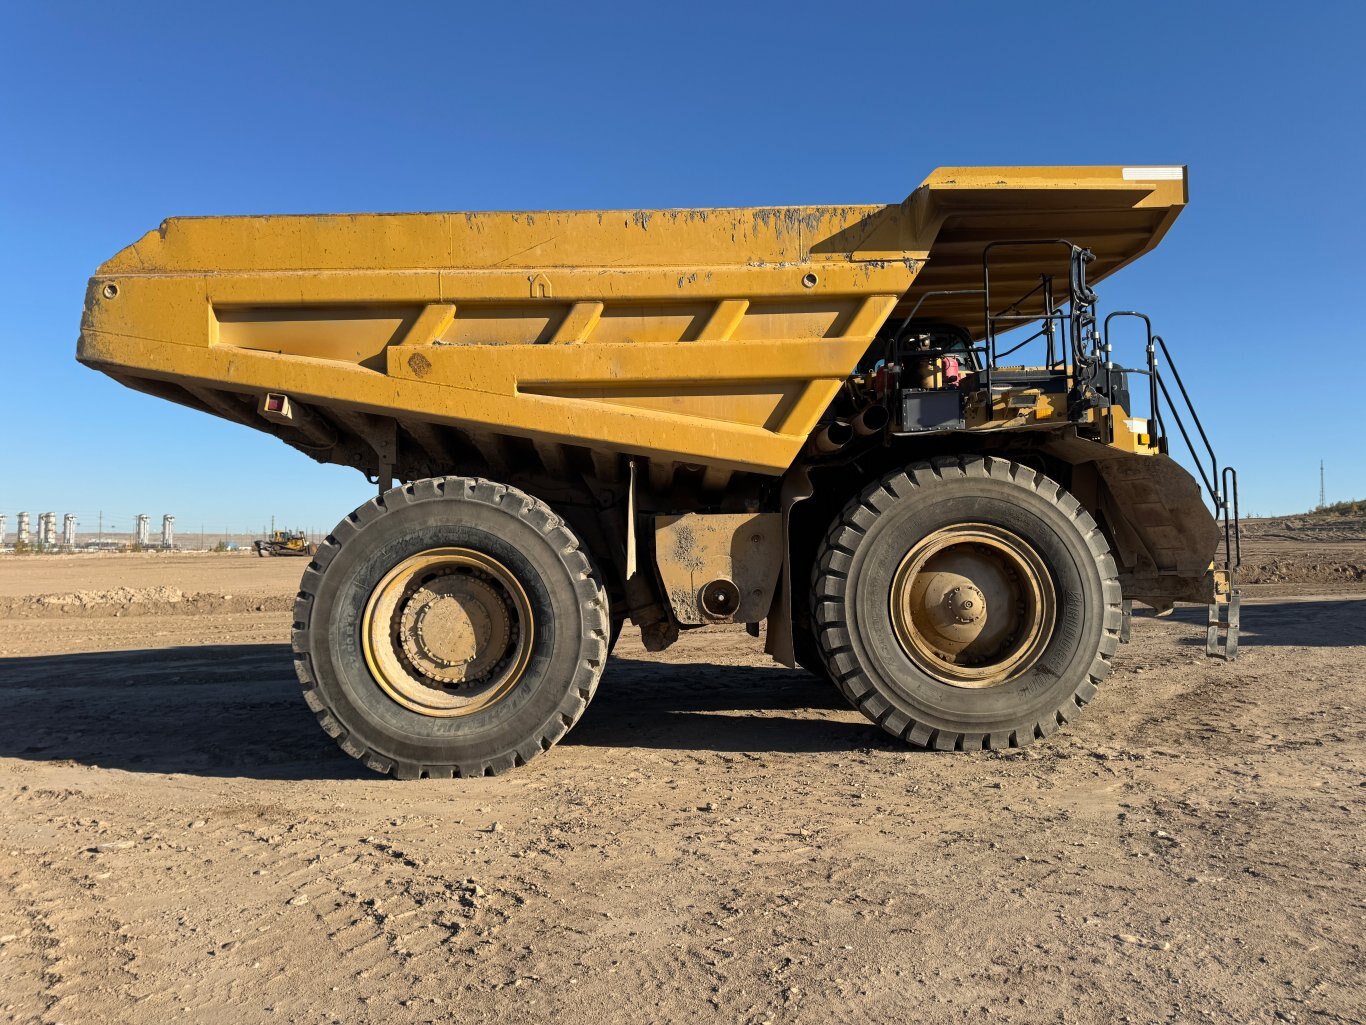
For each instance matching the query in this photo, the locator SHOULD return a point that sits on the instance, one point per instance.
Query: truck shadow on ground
(1337, 623)
(235, 710)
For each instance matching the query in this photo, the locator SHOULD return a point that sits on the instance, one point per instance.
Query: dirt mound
(1303, 571)
(1307, 529)
(138, 601)
(117, 596)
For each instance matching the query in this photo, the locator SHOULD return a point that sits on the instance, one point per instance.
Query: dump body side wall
(714, 338)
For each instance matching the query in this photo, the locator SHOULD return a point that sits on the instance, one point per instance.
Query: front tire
(450, 627)
(966, 604)
(807, 652)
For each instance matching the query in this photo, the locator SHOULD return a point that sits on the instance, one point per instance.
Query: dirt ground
(718, 840)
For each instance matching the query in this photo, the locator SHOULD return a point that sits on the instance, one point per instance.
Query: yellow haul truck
(809, 417)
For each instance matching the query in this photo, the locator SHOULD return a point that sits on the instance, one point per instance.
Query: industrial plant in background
(49, 540)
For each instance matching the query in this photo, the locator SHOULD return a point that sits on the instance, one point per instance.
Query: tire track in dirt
(66, 933)
(716, 841)
(390, 920)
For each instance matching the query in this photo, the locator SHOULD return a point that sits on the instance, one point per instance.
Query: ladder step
(1225, 621)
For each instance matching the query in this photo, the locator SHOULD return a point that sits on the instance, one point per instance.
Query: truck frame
(897, 436)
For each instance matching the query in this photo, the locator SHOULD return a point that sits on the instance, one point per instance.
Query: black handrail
(1233, 555)
(941, 291)
(1212, 481)
(1081, 298)
(1080, 295)
(1093, 355)
(1150, 350)
(899, 336)
(1222, 486)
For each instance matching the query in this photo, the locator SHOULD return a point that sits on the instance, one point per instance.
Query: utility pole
(101, 528)
(1323, 491)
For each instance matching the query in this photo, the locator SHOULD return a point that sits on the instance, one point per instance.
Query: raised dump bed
(679, 403)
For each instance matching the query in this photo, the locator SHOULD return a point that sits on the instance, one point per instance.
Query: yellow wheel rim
(973, 605)
(447, 632)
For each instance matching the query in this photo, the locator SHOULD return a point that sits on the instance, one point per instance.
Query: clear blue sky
(112, 118)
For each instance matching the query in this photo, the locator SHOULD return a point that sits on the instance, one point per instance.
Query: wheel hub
(973, 605)
(455, 628)
(447, 632)
(966, 604)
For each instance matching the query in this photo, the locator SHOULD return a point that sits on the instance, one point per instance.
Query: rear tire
(808, 653)
(1054, 604)
(410, 703)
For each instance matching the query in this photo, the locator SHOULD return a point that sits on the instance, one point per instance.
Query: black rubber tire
(808, 653)
(851, 583)
(568, 651)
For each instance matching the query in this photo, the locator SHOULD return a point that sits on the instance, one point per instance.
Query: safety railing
(1068, 323)
(1220, 484)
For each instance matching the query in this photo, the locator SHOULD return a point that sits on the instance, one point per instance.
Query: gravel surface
(718, 840)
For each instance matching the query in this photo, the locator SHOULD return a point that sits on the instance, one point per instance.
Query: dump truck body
(686, 388)
(717, 337)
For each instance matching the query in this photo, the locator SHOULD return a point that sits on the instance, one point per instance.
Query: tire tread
(829, 578)
(587, 584)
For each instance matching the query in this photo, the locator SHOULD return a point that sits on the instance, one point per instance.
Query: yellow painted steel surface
(715, 337)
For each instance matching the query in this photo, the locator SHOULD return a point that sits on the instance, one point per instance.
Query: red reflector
(275, 403)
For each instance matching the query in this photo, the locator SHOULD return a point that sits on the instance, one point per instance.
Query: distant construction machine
(285, 542)
(809, 417)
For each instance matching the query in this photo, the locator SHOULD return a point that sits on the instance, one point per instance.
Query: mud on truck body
(899, 436)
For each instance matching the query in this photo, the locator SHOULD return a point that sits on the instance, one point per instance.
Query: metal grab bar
(1212, 481)
(899, 336)
(1154, 407)
(1233, 553)
(1081, 299)
(1157, 385)
(1221, 485)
